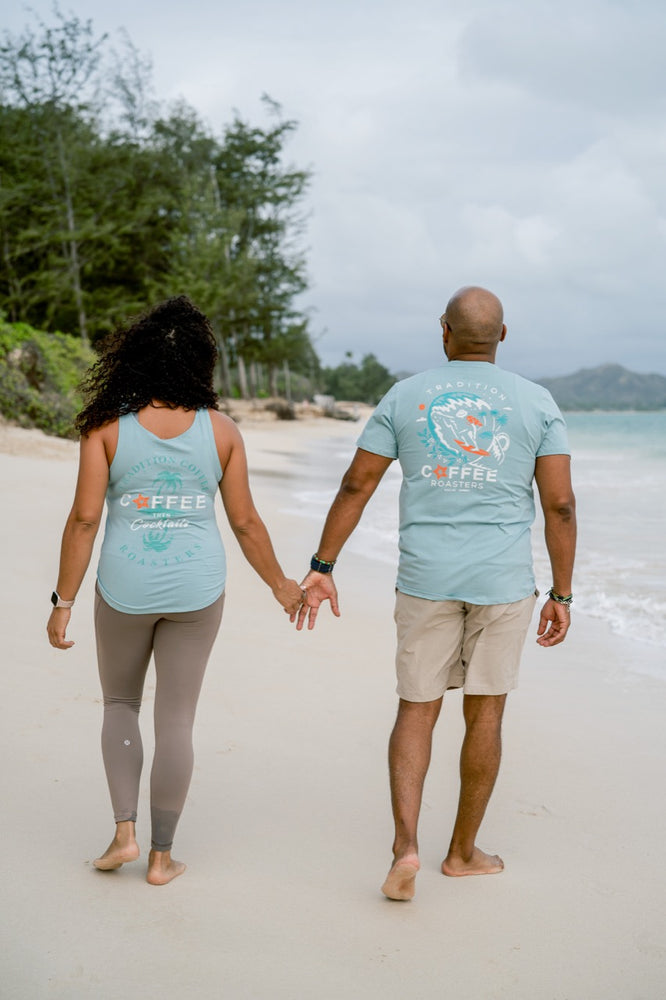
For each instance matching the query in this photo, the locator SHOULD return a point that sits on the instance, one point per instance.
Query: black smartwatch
(320, 565)
(57, 601)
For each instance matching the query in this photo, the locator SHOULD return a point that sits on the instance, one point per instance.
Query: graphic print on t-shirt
(465, 437)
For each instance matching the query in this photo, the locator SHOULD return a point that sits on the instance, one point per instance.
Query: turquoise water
(636, 433)
(619, 474)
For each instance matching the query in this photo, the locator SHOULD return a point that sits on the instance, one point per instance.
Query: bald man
(471, 439)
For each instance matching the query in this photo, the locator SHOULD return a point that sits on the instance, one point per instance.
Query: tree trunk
(273, 380)
(225, 374)
(253, 379)
(75, 267)
(13, 302)
(287, 381)
(242, 378)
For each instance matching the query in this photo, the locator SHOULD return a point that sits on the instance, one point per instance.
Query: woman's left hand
(290, 595)
(57, 627)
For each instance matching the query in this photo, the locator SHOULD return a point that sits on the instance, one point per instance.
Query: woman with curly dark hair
(156, 448)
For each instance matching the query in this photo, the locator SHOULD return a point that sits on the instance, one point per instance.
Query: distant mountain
(609, 387)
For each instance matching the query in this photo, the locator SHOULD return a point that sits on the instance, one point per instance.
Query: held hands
(289, 595)
(57, 627)
(553, 624)
(318, 587)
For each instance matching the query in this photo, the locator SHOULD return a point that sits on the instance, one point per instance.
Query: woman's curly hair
(167, 354)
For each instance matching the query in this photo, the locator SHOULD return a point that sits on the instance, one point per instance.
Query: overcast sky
(518, 145)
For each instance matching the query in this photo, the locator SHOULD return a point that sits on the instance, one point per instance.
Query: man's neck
(490, 358)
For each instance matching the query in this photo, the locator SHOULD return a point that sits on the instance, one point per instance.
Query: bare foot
(478, 864)
(400, 880)
(162, 869)
(117, 854)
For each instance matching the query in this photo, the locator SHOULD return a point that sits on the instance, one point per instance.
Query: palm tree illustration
(167, 480)
(156, 540)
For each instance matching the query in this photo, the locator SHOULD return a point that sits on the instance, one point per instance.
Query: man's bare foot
(400, 880)
(117, 854)
(479, 863)
(162, 869)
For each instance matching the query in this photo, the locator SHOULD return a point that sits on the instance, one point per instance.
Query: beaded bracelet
(566, 601)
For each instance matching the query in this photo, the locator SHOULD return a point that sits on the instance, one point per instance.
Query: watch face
(54, 599)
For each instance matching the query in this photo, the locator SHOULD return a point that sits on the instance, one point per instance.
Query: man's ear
(446, 333)
(503, 333)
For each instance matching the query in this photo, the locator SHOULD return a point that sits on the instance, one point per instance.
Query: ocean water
(619, 475)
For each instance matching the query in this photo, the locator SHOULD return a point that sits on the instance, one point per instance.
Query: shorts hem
(505, 690)
(419, 698)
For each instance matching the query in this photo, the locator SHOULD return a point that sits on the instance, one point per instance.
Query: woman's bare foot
(479, 863)
(400, 880)
(123, 848)
(162, 869)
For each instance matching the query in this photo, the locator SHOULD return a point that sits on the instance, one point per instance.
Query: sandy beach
(287, 829)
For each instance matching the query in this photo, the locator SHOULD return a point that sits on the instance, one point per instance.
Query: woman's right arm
(80, 530)
(246, 524)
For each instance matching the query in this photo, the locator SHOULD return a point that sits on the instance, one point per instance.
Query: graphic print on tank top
(162, 515)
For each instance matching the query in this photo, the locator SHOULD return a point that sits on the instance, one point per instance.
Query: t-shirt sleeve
(378, 435)
(554, 440)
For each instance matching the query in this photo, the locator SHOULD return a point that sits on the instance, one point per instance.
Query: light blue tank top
(162, 550)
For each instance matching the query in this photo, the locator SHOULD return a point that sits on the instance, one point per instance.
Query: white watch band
(57, 601)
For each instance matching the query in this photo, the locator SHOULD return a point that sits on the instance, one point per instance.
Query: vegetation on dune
(39, 375)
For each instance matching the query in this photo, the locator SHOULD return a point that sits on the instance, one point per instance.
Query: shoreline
(271, 467)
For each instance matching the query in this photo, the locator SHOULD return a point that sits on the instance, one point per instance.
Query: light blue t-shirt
(162, 550)
(467, 436)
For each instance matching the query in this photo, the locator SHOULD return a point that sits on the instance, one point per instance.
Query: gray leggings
(181, 644)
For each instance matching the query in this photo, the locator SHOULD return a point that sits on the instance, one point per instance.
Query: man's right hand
(319, 587)
(553, 624)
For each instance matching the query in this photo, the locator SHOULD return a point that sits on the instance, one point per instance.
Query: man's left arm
(553, 478)
(358, 484)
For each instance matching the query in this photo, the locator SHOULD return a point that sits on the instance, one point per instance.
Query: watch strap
(321, 565)
(57, 601)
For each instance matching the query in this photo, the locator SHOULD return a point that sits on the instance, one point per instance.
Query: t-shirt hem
(162, 608)
(466, 599)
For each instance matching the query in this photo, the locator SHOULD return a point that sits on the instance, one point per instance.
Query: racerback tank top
(162, 549)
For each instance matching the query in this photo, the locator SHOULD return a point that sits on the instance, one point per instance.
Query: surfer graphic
(464, 427)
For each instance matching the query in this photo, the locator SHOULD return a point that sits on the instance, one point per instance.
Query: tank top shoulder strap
(129, 431)
(204, 424)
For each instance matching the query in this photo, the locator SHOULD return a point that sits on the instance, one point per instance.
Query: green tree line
(366, 382)
(109, 202)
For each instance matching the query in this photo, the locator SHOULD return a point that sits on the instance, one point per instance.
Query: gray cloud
(606, 56)
(520, 145)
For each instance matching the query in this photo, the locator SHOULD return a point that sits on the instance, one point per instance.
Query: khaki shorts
(452, 644)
